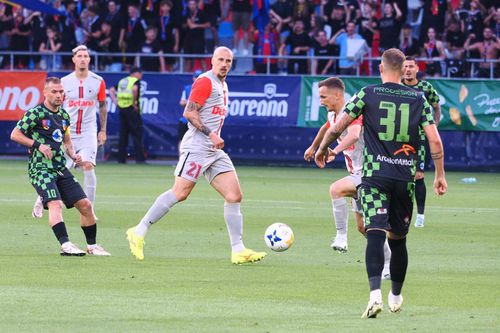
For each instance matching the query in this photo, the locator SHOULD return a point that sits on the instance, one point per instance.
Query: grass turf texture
(187, 284)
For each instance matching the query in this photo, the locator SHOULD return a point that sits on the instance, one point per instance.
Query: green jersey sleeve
(28, 121)
(432, 96)
(355, 106)
(426, 119)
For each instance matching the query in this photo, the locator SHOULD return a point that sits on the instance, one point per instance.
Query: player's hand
(321, 157)
(331, 155)
(77, 158)
(46, 151)
(101, 138)
(440, 185)
(309, 154)
(217, 141)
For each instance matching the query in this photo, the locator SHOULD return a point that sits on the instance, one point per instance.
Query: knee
(181, 194)
(84, 206)
(55, 206)
(335, 193)
(87, 166)
(234, 197)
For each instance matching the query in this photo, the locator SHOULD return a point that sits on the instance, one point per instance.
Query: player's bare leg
(163, 203)
(338, 191)
(56, 222)
(89, 227)
(228, 185)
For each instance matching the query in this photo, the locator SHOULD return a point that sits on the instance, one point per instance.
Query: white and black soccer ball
(279, 237)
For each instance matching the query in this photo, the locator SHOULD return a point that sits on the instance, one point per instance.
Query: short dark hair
(135, 70)
(393, 59)
(332, 83)
(53, 80)
(166, 2)
(410, 58)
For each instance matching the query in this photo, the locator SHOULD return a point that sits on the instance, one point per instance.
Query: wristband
(35, 145)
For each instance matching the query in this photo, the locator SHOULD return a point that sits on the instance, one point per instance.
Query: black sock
(59, 230)
(399, 264)
(375, 257)
(90, 233)
(420, 192)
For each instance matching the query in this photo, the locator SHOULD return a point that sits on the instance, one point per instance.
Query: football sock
(90, 184)
(234, 223)
(420, 193)
(60, 232)
(399, 264)
(90, 232)
(374, 257)
(160, 207)
(340, 214)
(387, 253)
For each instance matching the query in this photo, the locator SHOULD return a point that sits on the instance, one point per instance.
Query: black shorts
(387, 204)
(57, 185)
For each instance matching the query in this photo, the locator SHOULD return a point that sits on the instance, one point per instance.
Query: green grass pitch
(187, 284)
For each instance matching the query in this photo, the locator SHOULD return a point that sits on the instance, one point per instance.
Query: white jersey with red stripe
(81, 101)
(353, 155)
(212, 94)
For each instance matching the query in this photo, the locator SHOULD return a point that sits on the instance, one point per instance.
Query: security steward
(126, 94)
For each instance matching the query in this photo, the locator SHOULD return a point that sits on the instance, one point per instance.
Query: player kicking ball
(351, 143)
(45, 130)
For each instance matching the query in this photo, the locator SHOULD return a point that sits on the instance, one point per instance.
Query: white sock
(387, 254)
(340, 214)
(376, 295)
(160, 207)
(90, 184)
(234, 223)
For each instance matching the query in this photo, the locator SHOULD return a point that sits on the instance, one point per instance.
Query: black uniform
(50, 178)
(392, 115)
(432, 97)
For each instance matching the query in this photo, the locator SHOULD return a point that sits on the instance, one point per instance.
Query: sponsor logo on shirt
(216, 110)
(80, 103)
(57, 135)
(46, 124)
(406, 149)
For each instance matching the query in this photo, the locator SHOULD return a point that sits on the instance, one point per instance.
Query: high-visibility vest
(125, 95)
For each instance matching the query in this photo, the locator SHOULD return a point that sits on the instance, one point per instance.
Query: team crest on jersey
(57, 135)
(46, 124)
(64, 125)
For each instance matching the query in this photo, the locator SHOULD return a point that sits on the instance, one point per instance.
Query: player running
(392, 116)
(351, 142)
(84, 92)
(410, 80)
(45, 130)
(201, 153)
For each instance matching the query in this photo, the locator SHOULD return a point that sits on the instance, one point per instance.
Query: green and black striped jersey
(392, 116)
(49, 128)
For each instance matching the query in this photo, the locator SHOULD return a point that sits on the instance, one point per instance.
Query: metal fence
(119, 62)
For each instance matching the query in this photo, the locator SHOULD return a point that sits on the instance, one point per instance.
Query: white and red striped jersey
(81, 101)
(354, 154)
(212, 94)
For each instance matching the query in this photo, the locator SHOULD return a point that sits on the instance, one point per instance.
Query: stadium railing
(108, 62)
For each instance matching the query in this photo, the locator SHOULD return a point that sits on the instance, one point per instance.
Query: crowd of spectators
(446, 32)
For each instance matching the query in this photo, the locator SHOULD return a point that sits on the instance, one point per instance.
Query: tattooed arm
(103, 119)
(331, 135)
(437, 154)
(192, 114)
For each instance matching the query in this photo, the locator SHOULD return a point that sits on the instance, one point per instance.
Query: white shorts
(86, 146)
(192, 164)
(356, 202)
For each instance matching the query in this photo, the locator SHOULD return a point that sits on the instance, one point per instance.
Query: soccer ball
(279, 237)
